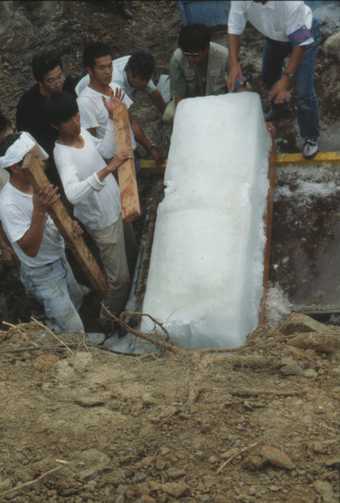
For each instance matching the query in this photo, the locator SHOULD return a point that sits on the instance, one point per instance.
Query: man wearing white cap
(45, 271)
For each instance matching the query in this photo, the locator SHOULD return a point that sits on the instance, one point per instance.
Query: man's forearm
(158, 101)
(234, 44)
(31, 241)
(295, 59)
(140, 136)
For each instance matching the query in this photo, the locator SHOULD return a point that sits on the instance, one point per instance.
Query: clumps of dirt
(260, 423)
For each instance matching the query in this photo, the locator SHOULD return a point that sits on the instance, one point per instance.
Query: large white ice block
(205, 280)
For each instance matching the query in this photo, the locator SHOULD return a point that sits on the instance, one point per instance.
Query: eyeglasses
(53, 80)
(191, 54)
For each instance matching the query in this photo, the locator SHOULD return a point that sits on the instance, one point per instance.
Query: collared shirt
(283, 21)
(188, 80)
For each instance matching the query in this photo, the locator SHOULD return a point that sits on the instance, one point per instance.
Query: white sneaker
(310, 148)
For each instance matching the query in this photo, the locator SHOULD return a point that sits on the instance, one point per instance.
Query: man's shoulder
(89, 98)
(177, 56)
(31, 95)
(11, 200)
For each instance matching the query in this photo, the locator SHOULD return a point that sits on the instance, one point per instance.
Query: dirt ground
(261, 423)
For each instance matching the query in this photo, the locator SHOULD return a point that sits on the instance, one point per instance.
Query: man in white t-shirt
(133, 73)
(45, 271)
(91, 188)
(291, 32)
(97, 61)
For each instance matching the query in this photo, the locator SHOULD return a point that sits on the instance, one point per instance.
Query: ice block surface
(205, 280)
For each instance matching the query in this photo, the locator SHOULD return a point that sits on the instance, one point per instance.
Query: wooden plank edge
(149, 166)
(284, 160)
(268, 221)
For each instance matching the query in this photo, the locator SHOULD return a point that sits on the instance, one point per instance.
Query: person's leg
(273, 57)
(48, 284)
(111, 245)
(307, 102)
(76, 291)
(130, 247)
(274, 54)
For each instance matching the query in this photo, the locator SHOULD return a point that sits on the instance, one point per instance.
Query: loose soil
(256, 424)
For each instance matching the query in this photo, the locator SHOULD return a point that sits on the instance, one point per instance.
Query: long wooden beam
(149, 167)
(268, 223)
(284, 160)
(126, 172)
(64, 223)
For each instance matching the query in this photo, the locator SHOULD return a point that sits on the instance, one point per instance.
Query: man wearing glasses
(198, 67)
(48, 73)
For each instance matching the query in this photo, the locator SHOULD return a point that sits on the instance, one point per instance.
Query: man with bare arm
(291, 32)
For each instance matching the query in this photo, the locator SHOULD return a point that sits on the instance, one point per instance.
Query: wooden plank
(126, 172)
(268, 221)
(64, 223)
(149, 166)
(283, 160)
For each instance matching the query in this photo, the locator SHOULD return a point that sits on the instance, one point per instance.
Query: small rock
(92, 400)
(310, 373)
(252, 490)
(319, 342)
(81, 360)
(332, 45)
(138, 477)
(164, 451)
(276, 457)
(298, 322)
(274, 489)
(175, 474)
(325, 490)
(64, 371)
(44, 361)
(291, 370)
(212, 460)
(176, 489)
(322, 447)
(253, 462)
(5, 484)
(95, 462)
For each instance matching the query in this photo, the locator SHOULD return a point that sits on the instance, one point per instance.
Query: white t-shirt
(118, 77)
(93, 113)
(96, 204)
(16, 210)
(282, 21)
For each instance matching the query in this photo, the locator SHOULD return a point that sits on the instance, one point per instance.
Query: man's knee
(61, 311)
(306, 102)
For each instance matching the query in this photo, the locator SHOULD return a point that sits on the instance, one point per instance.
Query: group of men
(71, 127)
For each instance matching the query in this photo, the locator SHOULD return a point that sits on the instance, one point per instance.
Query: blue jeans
(56, 288)
(307, 102)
